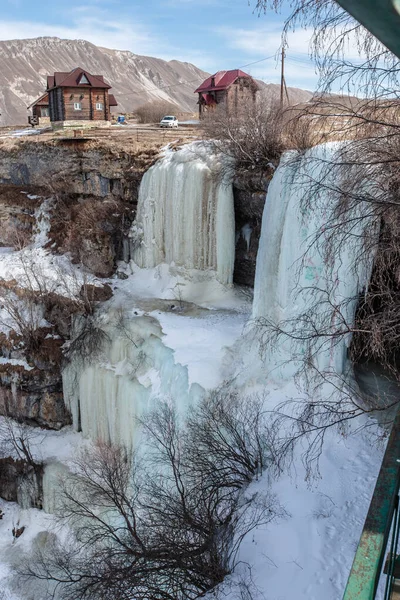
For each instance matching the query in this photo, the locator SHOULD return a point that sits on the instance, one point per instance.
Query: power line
(300, 60)
(164, 87)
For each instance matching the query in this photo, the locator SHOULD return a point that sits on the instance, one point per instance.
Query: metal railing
(380, 535)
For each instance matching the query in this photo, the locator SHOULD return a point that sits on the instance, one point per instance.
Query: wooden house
(234, 89)
(79, 98)
(40, 111)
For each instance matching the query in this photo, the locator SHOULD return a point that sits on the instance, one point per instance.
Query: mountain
(296, 95)
(135, 80)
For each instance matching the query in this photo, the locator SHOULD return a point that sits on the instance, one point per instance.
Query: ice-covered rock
(107, 395)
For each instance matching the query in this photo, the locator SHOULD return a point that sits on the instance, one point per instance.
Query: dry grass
(117, 140)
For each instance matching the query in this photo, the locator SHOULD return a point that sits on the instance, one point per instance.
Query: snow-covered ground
(23, 132)
(308, 554)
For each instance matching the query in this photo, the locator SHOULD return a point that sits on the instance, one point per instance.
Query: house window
(83, 80)
(99, 106)
(45, 112)
(77, 106)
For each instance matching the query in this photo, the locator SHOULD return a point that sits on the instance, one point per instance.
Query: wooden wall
(56, 105)
(37, 111)
(88, 98)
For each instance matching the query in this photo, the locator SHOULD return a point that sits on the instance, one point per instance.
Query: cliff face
(135, 80)
(249, 196)
(91, 197)
(94, 195)
(62, 168)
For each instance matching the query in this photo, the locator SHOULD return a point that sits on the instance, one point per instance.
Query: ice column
(185, 213)
(293, 272)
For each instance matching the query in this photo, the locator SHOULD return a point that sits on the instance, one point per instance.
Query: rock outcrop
(21, 482)
(249, 197)
(94, 195)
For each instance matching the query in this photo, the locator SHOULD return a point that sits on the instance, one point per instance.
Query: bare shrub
(251, 137)
(21, 472)
(88, 340)
(36, 296)
(17, 439)
(230, 438)
(17, 238)
(162, 528)
(303, 130)
(153, 112)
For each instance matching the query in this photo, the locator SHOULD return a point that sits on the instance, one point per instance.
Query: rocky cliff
(249, 194)
(90, 196)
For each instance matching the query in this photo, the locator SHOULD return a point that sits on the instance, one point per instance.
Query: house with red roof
(40, 111)
(234, 89)
(79, 98)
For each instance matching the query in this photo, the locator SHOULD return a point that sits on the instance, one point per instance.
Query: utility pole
(283, 85)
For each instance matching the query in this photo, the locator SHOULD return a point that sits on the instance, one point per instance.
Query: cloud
(105, 28)
(93, 28)
(265, 40)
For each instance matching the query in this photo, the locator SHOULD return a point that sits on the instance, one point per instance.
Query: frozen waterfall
(293, 273)
(185, 214)
(135, 370)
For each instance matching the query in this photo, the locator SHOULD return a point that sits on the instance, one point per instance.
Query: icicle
(290, 267)
(185, 214)
(107, 396)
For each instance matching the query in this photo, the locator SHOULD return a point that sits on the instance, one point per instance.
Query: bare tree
(153, 112)
(160, 527)
(251, 137)
(333, 34)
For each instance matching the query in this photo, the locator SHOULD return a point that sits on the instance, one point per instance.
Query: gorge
(176, 326)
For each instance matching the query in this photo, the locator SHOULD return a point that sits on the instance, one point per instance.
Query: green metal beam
(380, 17)
(367, 565)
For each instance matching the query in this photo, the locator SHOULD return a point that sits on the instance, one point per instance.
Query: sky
(213, 34)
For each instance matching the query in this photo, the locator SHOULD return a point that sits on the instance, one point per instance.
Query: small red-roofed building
(234, 89)
(79, 98)
(40, 111)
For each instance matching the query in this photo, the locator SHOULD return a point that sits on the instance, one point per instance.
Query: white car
(169, 121)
